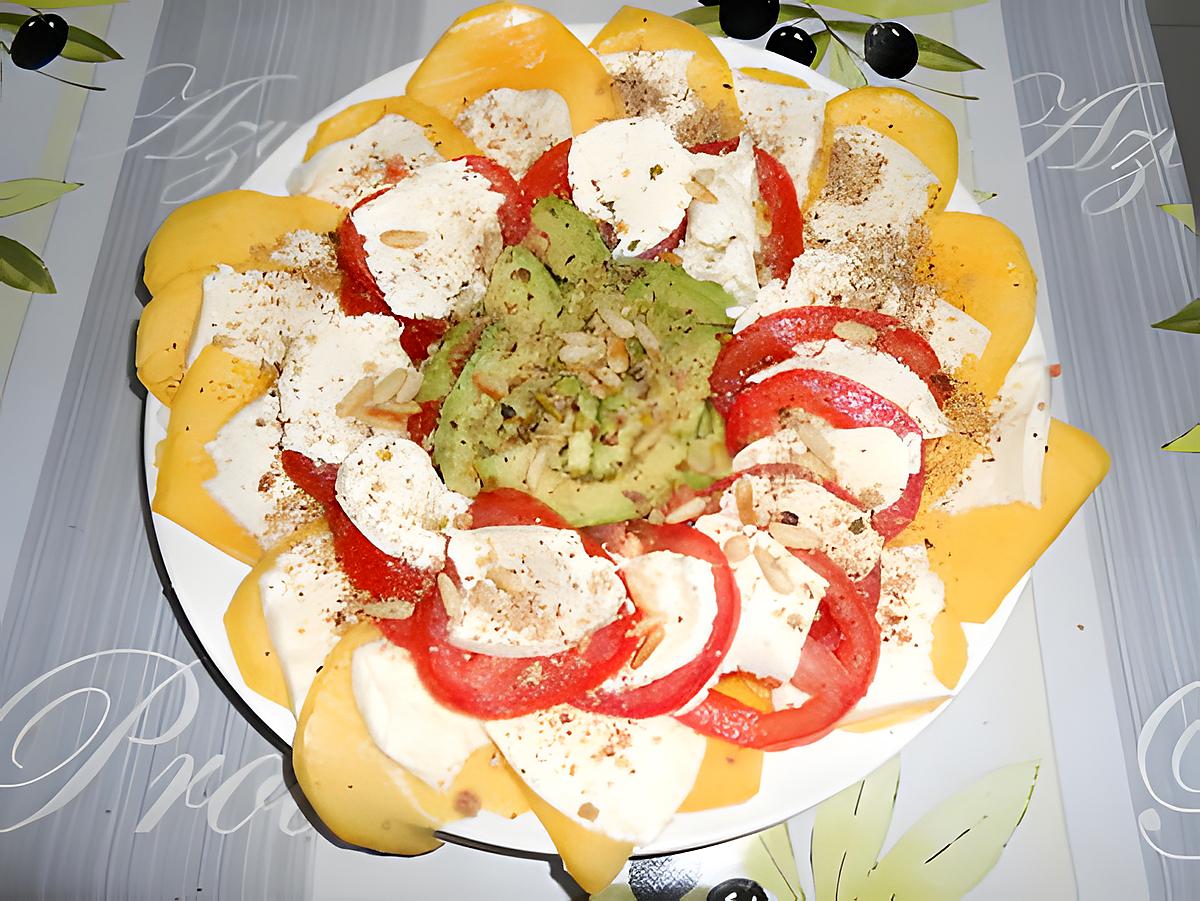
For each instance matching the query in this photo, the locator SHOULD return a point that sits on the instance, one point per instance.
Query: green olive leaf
(842, 68)
(848, 26)
(1186, 320)
(1184, 212)
(1187, 443)
(712, 28)
(891, 9)
(23, 269)
(71, 4)
(821, 39)
(848, 833)
(933, 54)
(983, 196)
(82, 46)
(705, 15)
(22, 194)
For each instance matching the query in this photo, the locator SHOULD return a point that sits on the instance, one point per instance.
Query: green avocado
(588, 387)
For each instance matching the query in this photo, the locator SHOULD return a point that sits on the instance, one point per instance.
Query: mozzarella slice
(881, 372)
(621, 777)
(815, 519)
(301, 595)
(654, 84)
(874, 464)
(528, 591)
(633, 175)
(255, 314)
(432, 239)
(954, 335)
(391, 492)
(722, 230)
(875, 185)
(516, 127)
(786, 121)
(1012, 470)
(777, 609)
(321, 366)
(678, 602)
(430, 741)
(346, 171)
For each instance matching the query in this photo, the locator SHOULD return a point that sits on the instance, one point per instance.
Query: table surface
(121, 750)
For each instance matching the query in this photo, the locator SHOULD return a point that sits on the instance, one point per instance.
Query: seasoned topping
(516, 127)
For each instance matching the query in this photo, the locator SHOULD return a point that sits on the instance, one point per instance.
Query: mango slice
(360, 793)
(977, 570)
(729, 774)
(708, 73)
(770, 76)
(592, 858)
(899, 115)
(509, 45)
(441, 132)
(246, 626)
(977, 264)
(216, 386)
(232, 228)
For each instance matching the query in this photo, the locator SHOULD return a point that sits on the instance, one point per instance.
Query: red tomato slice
(773, 339)
(672, 691)
(785, 241)
(835, 679)
(514, 211)
(841, 402)
(366, 566)
(503, 687)
(824, 628)
(550, 175)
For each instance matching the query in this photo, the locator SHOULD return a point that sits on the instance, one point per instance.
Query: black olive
(794, 43)
(890, 49)
(748, 19)
(738, 890)
(38, 41)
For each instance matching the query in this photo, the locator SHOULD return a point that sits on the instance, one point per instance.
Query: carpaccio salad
(596, 419)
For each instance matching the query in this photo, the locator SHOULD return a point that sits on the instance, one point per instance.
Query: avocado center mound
(589, 383)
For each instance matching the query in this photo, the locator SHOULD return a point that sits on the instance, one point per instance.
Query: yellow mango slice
(360, 793)
(893, 716)
(591, 858)
(977, 264)
(165, 331)
(772, 77)
(216, 386)
(729, 774)
(899, 115)
(949, 649)
(708, 73)
(441, 132)
(246, 626)
(228, 228)
(977, 569)
(509, 45)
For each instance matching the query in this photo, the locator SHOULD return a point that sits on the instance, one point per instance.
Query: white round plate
(204, 580)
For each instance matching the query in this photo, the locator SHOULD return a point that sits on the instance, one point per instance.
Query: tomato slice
(514, 211)
(366, 566)
(672, 691)
(839, 401)
(836, 680)
(549, 176)
(785, 241)
(503, 687)
(773, 339)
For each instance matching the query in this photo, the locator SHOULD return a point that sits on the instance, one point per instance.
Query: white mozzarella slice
(431, 240)
(621, 777)
(255, 314)
(516, 127)
(874, 464)
(1011, 471)
(831, 525)
(777, 607)
(633, 175)
(346, 171)
(250, 482)
(784, 120)
(300, 595)
(430, 741)
(722, 230)
(312, 252)
(881, 372)
(677, 598)
(391, 492)
(954, 335)
(528, 591)
(320, 368)
(654, 84)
